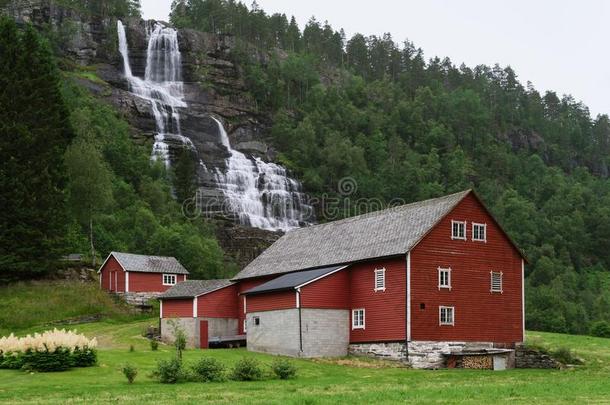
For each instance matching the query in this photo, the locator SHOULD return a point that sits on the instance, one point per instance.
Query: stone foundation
(527, 358)
(430, 354)
(383, 350)
(139, 300)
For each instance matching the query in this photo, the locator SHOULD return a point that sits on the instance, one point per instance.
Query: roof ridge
(378, 212)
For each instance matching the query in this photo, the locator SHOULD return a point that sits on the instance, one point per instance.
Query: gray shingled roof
(149, 264)
(195, 288)
(382, 233)
(292, 280)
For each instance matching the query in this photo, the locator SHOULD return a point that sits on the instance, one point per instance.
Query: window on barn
(257, 320)
(496, 281)
(445, 315)
(444, 278)
(379, 279)
(245, 325)
(358, 318)
(479, 232)
(169, 279)
(458, 230)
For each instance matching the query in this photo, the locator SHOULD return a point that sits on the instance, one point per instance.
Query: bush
(169, 371)
(84, 357)
(154, 345)
(564, 355)
(600, 329)
(283, 369)
(130, 372)
(57, 360)
(247, 370)
(208, 370)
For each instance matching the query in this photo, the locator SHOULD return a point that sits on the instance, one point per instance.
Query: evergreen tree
(34, 133)
(184, 175)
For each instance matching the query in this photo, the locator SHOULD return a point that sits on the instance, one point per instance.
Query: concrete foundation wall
(430, 354)
(325, 332)
(190, 326)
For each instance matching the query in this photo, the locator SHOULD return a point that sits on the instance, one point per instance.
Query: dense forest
(71, 178)
(410, 128)
(365, 107)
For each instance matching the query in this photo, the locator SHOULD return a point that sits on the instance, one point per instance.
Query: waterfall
(261, 193)
(162, 85)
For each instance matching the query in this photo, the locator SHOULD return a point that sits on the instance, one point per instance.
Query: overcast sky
(558, 45)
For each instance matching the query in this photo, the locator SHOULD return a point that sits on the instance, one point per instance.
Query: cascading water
(162, 85)
(261, 194)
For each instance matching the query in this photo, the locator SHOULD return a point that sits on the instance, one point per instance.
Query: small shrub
(208, 370)
(600, 329)
(154, 345)
(564, 355)
(283, 369)
(84, 357)
(130, 372)
(247, 370)
(131, 349)
(169, 371)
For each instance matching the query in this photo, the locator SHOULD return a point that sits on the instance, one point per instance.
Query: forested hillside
(408, 127)
(72, 179)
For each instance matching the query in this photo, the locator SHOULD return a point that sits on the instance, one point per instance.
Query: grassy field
(318, 381)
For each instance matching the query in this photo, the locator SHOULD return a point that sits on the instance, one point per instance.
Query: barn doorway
(203, 334)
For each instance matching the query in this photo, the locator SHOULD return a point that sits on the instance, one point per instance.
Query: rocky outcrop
(530, 358)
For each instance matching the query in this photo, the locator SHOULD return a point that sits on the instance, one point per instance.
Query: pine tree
(184, 175)
(34, 133)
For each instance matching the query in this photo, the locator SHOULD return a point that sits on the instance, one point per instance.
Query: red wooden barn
(414, 282)
(130, 273)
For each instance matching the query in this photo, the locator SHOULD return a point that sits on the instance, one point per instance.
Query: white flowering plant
(53, 350)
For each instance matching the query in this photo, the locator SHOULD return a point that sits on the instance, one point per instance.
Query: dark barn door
(203, 334)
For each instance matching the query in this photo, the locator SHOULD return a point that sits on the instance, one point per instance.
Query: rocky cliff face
(213, 86)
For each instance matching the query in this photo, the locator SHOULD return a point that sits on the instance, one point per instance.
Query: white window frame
(245, 325)
(484, 226)
(358, 326)
(440, 316)
(491, 281)
(444, 270)
(377, 273)
(453, 223)
(170, 276)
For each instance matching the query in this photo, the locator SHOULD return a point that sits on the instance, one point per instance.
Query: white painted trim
(160, 308)
(298, 297)
(245, 312)
(363, 318)
(465, 223)
(195, 307)
(440, 269)
(485, 230)
(440, 308)
(382, 270)
(322, 276)
(523, 296)
(245, 326)
(126, 281)
(408, 296)
(108, 257)
(175, 276)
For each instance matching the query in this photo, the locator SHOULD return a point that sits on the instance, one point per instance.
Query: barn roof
(388, 232)
(194, 288)
(293, 280)
(147, 264)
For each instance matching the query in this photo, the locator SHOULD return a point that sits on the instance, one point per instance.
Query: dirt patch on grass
(362, 362)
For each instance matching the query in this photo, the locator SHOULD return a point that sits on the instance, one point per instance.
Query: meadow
(348, 380)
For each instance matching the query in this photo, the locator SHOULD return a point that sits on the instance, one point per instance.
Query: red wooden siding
(149, 282)
(219, 304)
(245, 285)
(479, 314)
(113, 269)
(329, 292)
(179, 308)
(271, 301)
(385, 311)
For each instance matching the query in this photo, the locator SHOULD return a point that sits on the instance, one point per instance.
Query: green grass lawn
(317, 381)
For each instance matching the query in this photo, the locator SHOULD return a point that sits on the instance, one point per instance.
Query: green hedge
(60, 359)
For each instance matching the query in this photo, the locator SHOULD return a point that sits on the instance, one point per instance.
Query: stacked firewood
(478, 362)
